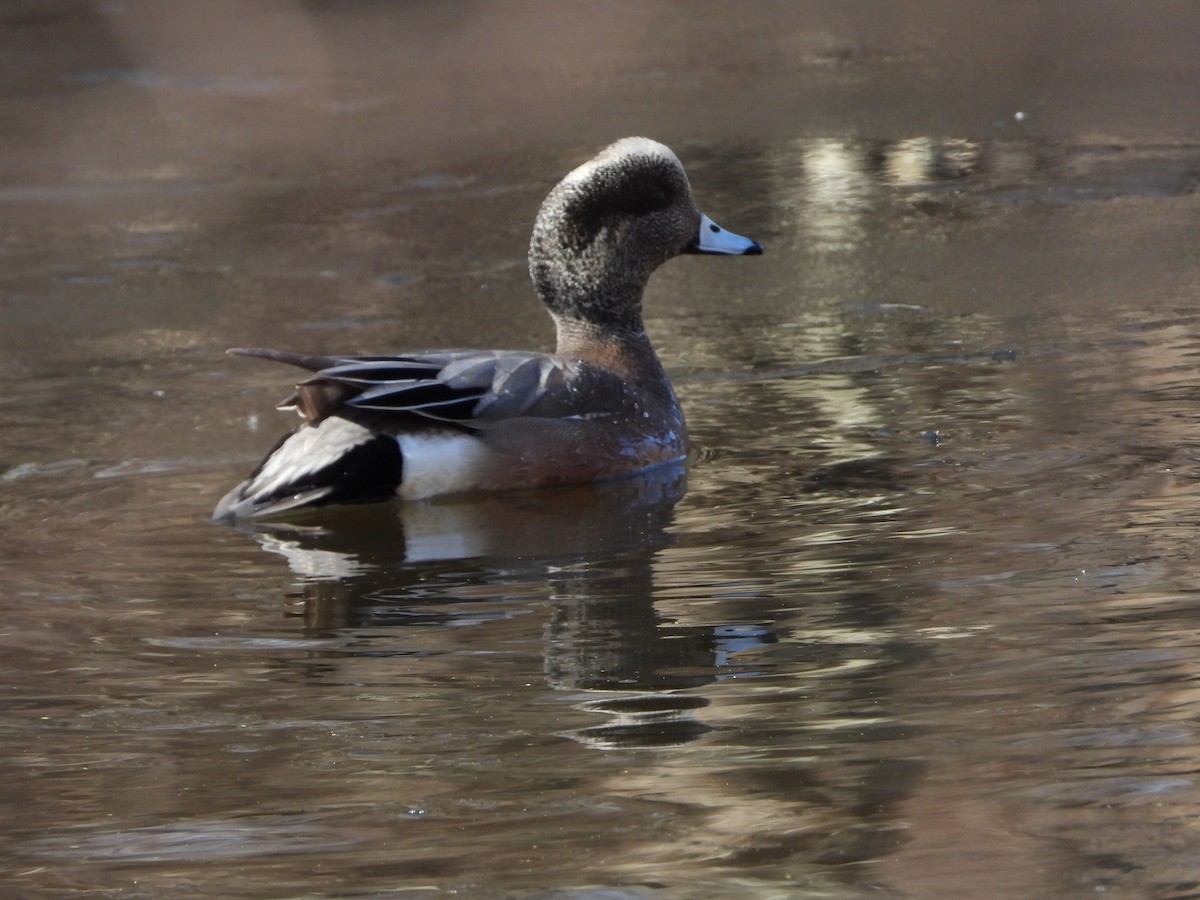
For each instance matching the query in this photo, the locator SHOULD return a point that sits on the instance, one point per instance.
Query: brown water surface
(920, 619)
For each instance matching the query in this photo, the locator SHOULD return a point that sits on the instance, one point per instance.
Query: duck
(423, 424)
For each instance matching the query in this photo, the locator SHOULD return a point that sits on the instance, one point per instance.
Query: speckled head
(607, 226)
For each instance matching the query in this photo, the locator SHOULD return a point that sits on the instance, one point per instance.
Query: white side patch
(440, 464)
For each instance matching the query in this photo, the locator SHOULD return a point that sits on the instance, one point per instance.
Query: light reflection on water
(921, 618)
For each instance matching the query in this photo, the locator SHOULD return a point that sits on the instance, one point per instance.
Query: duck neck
(628, 352)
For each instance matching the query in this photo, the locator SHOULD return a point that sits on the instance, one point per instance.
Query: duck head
(609, 224)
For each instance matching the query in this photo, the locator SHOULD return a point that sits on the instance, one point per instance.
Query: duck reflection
(588, 550)
(370, 547)
(605, 635)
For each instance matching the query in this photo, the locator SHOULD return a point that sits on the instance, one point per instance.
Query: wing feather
(464, 387)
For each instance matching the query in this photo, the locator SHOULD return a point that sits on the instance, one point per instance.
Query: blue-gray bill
(712, 238)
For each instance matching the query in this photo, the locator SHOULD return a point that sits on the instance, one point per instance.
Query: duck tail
(334, 461)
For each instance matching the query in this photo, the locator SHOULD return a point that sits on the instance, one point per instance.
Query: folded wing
(468, 388)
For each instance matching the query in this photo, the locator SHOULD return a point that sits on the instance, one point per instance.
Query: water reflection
(837, 187)
(588, 551)
(921, 624)
(835, 191)
(362, 547)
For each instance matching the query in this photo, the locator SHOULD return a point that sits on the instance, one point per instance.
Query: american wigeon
(601, 406)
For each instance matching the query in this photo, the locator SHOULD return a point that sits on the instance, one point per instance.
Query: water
(917, 620)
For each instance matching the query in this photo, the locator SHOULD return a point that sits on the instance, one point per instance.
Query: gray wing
(465, 387)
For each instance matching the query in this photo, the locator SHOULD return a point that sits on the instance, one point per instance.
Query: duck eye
(644, 202)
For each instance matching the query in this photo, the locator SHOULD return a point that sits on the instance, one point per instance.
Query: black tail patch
(366, 473)
(369, 472)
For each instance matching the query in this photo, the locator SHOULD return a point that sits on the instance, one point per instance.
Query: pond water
(918, 619)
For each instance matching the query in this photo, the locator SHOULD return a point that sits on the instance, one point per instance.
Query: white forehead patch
(640, 146)
(626, 148)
